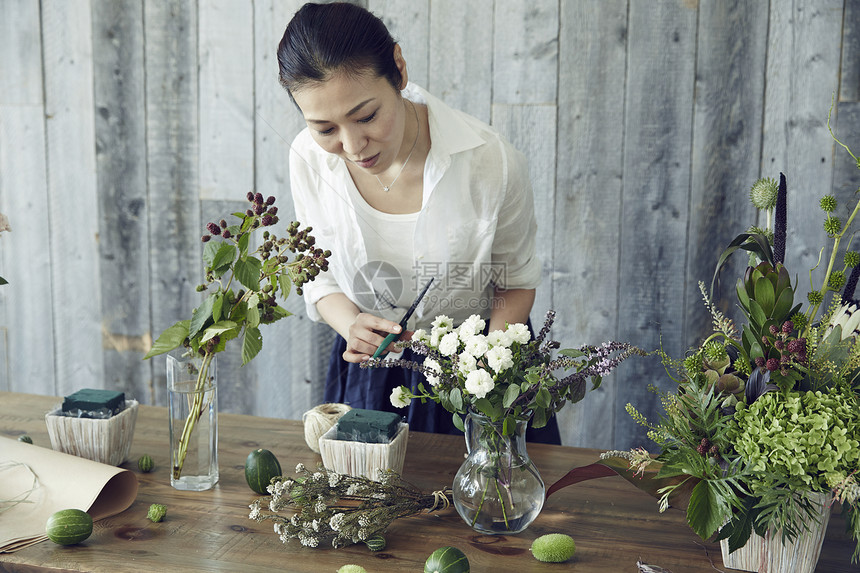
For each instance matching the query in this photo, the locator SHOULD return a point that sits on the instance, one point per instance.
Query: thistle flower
(763, 193)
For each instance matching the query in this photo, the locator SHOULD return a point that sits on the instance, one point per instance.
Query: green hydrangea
(801, 436)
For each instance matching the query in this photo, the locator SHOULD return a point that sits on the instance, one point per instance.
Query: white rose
(479, 383)
(443, 322)
(519, 333)
(398, 399)
(466, 363)
(449, 344)
(432, 378)
(477, 345)
(499, 338)
(471, 326)
(500, 358)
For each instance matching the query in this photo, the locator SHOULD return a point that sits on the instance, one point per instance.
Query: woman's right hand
(366, 333)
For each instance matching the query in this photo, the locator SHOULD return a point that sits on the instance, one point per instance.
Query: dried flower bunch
(335, 509)
(504, 374)
(766, 419)
(258, 276)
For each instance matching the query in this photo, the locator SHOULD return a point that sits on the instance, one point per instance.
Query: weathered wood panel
(73, 206)
(846, 174)
(531, 129)
(525, 60)
(409, 22)
(649, 180)
(289, 380)
(461, 77)
(726, 131)
(26, 305)
(655, 200)
(849, 79)
(589, 177)
(121, 163)
(226, 98)
(802, 77)
(171, 149)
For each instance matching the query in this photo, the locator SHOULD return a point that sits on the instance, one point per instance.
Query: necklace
(408, 157)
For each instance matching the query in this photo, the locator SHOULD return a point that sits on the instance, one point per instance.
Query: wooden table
(613, 523)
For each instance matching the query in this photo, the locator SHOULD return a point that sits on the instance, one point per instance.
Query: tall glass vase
(192, 391)
(498, 489)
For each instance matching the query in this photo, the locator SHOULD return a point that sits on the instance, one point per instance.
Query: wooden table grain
(613, 523)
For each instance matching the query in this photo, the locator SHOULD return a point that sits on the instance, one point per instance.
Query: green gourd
(447, 560)
(376, 543)
(260, 467)
(145, 463)
(69, 526)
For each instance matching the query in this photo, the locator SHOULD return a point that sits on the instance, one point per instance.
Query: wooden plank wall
(126, 125)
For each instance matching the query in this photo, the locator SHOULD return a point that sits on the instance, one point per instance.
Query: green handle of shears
(388, 340)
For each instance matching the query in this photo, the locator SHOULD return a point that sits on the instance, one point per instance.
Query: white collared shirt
(476, 227)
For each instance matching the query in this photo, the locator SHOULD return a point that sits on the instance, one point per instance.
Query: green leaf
(765, 295)
(286, 285)
(251, 344)
(571, 352)
(740, 527)
(225, 255)
(209, 250)
(783, 305)
(456, 398)
(511, 394)
(217, 306)
(247, 271)
(485, 407)
(543, 398)
(218, 328)
(253, 315)
(756, 313)
(509, 425)
(281, 312)
(171, 338)
(3, 281)
(703, 513)
(539, 418)
(200, 315)
(759, 245)
(243, 244)
(458, 422)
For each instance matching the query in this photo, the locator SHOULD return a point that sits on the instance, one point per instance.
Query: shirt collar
(450, 132)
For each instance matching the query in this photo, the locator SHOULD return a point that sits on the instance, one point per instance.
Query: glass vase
(192, 391)
(498, 489)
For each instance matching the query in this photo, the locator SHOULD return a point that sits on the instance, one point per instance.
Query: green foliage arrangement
(244, 283)
(766, 419)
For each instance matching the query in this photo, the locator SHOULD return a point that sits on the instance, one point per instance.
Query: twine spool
(320, 420)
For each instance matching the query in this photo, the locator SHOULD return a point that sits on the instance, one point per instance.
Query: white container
(362, 459)
(107, 441)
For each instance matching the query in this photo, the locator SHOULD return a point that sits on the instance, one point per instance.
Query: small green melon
(553, 548)
(145, 463)
(447, 560)
(69, 526)
(260, 467)
(376, 543)
(25, 438)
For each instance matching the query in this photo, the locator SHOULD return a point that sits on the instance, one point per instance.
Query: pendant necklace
(414, 143)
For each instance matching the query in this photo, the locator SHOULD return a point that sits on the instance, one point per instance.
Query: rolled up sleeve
(514, 245)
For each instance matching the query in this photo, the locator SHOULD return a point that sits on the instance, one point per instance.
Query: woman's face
(359, 118)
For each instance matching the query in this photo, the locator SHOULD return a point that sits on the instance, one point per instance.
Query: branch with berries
(244, 286)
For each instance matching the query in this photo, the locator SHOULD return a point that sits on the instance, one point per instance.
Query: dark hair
(339, 37)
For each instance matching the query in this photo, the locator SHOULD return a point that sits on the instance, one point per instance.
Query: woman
(401, 188)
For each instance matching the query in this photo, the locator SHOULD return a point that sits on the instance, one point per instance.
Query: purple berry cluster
(787, 348)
